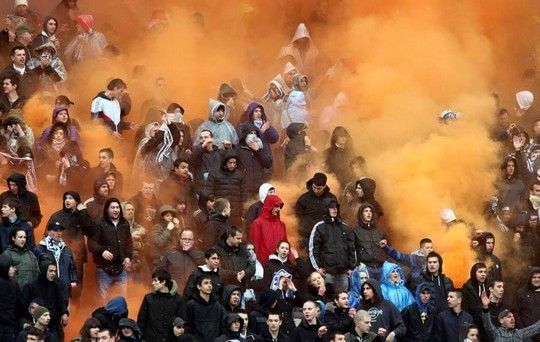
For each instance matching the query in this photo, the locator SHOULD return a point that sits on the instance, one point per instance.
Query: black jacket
(528, 302)
(309, 333)
(108, 237)
(30, 209)
(204, 319)
(438, 288)
(11, 305)
(367, 236)
(213, 229)
(204, 163)
(233, 260)
(66, 264)
(157, 313)
(338, 320)
(416, 330)
(448, 323)
(217, 282)
(266, 337)
(300, 271)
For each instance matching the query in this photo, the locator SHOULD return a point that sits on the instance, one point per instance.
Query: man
(268, 229)
(367, 236)
(527, 299)
(107, 108)
(104, 167)
(204, 314)
(112, 248)
(507, 331)
(331, 248)
(244, 333)
(310, 328)
(18, 65)
(11, 218)
(78, 227)
(449, 321)
(485, 248)
(159, 308)
(23, 38)
(54, 293)
(472, 289)
(30, 209)
(42, 320)
(10, 298)
(52, 247)
(206, 157)
(224, 133)
(273, 333)
(207, 204)
(12, 99)
(233, 325)
(106, 335)
(362, 329)
(183, 260)
(179, 182)
(212, 261)
(419, 317)
(496, 305)
(236, 267)
(95, 204)
(341, 318)
(231, 299)
(48, 67)
(439, 284)
(146, 204)
(309, 208)
(217, 224)
(416, 260)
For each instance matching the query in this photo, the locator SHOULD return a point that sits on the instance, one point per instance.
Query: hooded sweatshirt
(222, 130)
(419, 318)
(367, 237)
(297, 145)
(439, 285)
(110, 315)
(472, 290)
(368, 186)
(73, 132)
(528, 301)
(30, 209)
(255, 209)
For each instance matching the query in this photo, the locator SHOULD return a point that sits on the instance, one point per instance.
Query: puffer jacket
(27, 268)
(367, 237)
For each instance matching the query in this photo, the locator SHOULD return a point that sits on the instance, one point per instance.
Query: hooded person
(358, 276)
(365, 191)
(259, 314)
(218, 124)
(206, 202)
(383, 313)
(60, 114)
(297, 146)
(296, 104)
(233, 324)
(268, 229)
(527, 299)
(338, 156)
(331, 247)
(18, 251)
(273, 99)
(393, 286)
(110, 315)
(135, 335)
(48, 67)
(510, 187)
(165, 233)
(88, 44)
(473, 289)
(254, 158)
(49, 28)
(419, 317)
(303, 50)
(255, 209)
(10, 300)
(231, 300)
(486, 245)
(30, 209)
(15, 138)
(228, 95)
(12, 219)
(95, 204)
(367, 236)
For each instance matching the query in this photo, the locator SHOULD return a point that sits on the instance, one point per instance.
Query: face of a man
(333, 211)
(44, 319)
(204, 136)
(424, 296)
(535, 279)
(427, 248)
(535, 190)
(433, 265)
(51, 272)
(19, 58)
(114, 210)
(219, 114)
(187, 239)
(364, 325)
(104, 160)
(70, 202)
(343, 301)
(273, 322)
(213, 262)
(205, 287)
(497, 290)
(55, 235)
(13, 187)
(104, 336)
(318, 190)
(367, 214)
(148, 190)
(118, 92)
(182, 170)
(453, 300)
(235, 240)
(275, 210)
(8, 86)
(234, 300)
(235, 326)
(481, 274)
(157, 285)
(129, 212)
(231, 164)
(508, 322)
(490, 244)
(7, 210)
(111, 181)
(339, 338)
(310, 311)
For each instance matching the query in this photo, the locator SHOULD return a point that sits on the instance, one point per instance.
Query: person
(42, 320)
(340, 153)
(30, 209)
(217, 223)
(303, 51)
(89, 331)
(393, 288)
(111, 106)
(236, 266)
(206, 157)
(232, 298)
(60, 114)
(362, 329)
(206, 203)
(527, 298)
(385, 317)
(310, 207)
(233, 325)
(11, 219)
(10, 300)
(177, 332)
(49, 28)
(273, 333)
(129, 331)
(139, 267)
(365, 192)
(106, 335)
(159, 308)
(109, 316)
(450, 320)
(258, 317)
(54, 293)
(229, 182)
(468, 333)
(27, 77)
(273, 99)
(87, 44)
(298, 147)
(510, 188)
(52, 247)
(281, 260)
(178, 183)
(496, 304)
(341, 317)
(255, 208)
(367, 236)
(310, 327)
(419, 317)
(27, 265)
(296, 103)
(358, 276)
(507, 330)
(12, 98)
(146, 204)
(472, 290)
(112, 248)
(95, 204)
(104, 167)
(484, 251)
(415, 260)
(212, 261)
(48, 67)
(223, 132)
(203, 313)
(268, 229)
(78, 227)
(244, 333)
(439, 283)
(331, 247)
(183, 260)
(18, 137)
(165, 233)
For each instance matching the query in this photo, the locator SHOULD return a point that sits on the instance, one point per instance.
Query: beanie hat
(38, 312)
(21, 2)
(525, 99)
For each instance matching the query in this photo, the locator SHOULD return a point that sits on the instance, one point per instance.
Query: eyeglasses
(186, 239)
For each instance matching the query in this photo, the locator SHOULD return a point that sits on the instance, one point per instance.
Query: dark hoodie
(95, 207)
(296, 145)
(30, 209)
(233, 260)
(225, 298)
(528, 302)
(419, 329)
(110, 237)
(310, 209)
(257, 317)
(230, 335)
(367, 237)
(110, 315)
(368, 186)
(337, 159)
(383, 313)
(44, 36)
(10, 299)
(6, 226)
(331, 243)
(213, 229)
(438, 285)
(495, 265)
(129, 323)
(472, 290)
(204, 319)
(253, 163)
(201, 216)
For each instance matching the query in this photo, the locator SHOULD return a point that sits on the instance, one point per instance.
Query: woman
(89, 331)
(17, 133)
(27, 265)
(318, 290)
(468, 333)
(281, 260)
(358, 276)
(393, 288)
(50, 26)
(60, 114)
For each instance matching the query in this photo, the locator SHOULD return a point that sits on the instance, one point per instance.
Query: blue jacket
(65, 263)
(397, 293)
(416, 260)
